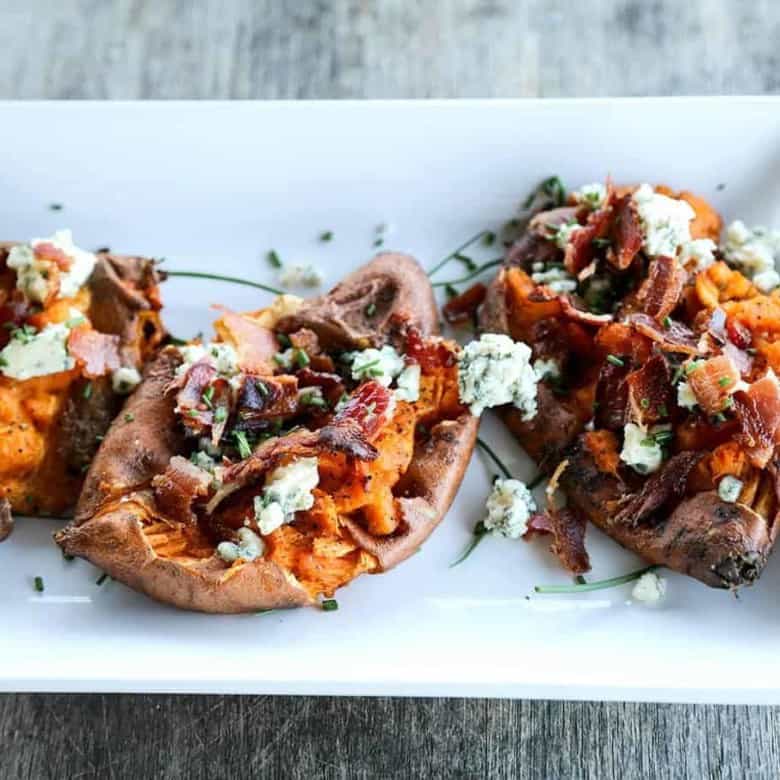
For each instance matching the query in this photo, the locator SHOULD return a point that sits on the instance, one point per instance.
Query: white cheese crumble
(698, 254)
(408, 383)
(650, 589)
(219, 354)
(594, 196)
(509, 506)
(729, 489)
(494, 371)
(382, 365)
(125, 379)
(559, 280)
(33, 272)
(563, 233)
(665, 221)
(640, 449)
(753, 252)
(685, 395)
(250, 546)
(300, 276)
(547, 368)
(287, 491)
(36, 354)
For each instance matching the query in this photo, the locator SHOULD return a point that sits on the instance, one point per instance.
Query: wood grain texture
(391, 49)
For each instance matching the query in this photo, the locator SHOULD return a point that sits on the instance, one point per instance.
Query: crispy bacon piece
(261, 399)
(255, 345)
(195, 414)
(567, 528)
(45, 250)
(658, 490)
(177, 488)
(307, 340)
(96, 353)
(649, 391)
(430, 354)
(583, 317)
(369, 406)
(331, 385)
(660, 292)
(581, 249)
(626, 234)
(463, 307)
(529, 249)
(674, 337)
(713, 381)
(739, 334)
(611, 397)
(758, 412)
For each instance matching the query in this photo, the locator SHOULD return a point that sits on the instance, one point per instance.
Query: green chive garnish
(129, 417)
(330, 605)
(273, 259)
(301, 358)
(220, 414)
(478, 534)
(371, 309)
(244, 450)
(724, 381)
(615, 360)
(39, 584)
(645, 403)
(87, 391)
(598, 585)
(208, 394)
(101, 579)
(326, 235)
(667, 322)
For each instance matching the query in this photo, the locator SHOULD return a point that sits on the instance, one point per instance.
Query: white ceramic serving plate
(212, 187)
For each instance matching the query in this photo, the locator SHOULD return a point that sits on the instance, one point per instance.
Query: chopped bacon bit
(739, 334)
(611, 397)
(331, 385)
(581, 249)
(195, 414)
(463, 307)
(255, 345)
(307, 340)
(178, 487)
(45, 250)
(567, 528)
(649, 391)
(658, 490)
(673, 336)
(741, 359)
(605, 449)
(369, 406)
(660, 292)
(626, 234)
(429, 353)
(529, 249)
(96, 353)
(585, 317)
(262, 399)
(712, 381)
(758, 412)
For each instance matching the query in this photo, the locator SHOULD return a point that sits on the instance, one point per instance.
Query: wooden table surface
(390, 49)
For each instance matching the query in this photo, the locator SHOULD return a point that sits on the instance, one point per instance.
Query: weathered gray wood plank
(382, 49)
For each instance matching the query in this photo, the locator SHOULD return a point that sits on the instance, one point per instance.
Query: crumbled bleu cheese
(685, 395)
(494, 371)
(203, 461)
(558, 279)
(640, 449)
(408, 383)
(300, 276)
(287, 491)
(650, 589)
(509, 506)
(33, 275)
(250, 546)
(753, 252)
(729, 489)
(665, 221)
(382, 365)
(545, 369)
(219, 354)
(594, 196)
(698, 254)
(125, 379)
(37, 354)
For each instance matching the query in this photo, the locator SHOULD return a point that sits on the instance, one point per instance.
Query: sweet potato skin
(117, 504)
(721, 544)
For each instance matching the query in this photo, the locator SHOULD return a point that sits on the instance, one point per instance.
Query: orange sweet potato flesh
(366, 517)
(50, 425)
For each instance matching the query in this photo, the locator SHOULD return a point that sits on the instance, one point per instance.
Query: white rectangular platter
(212, 187)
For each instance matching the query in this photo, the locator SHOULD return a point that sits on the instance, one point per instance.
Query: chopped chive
(129, 417)
(301, 358)
(101, 579)
(220, 414)
(3, 362)
(378, 241)
(724, 381)
(38, 582)
(556, 189)
(312, 399)
(244, 450)
(99, 437)
(55, 207)
(68, 557)
(193, 413)
(370, 309)
(645, 403)
(450, 291)
(273, 259)
(283, 339)
(719, 417)
(466, 260)
(615, 360)
(662, 437)
(677, 376)
(87, 391)
(262, 389)
(326, 235)
(208, 394)
(692, 366)
(598, 585)
(580, 580)
(667, 322)
(489, 238)
(330, 605)
(478, 534)
(728, 402)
